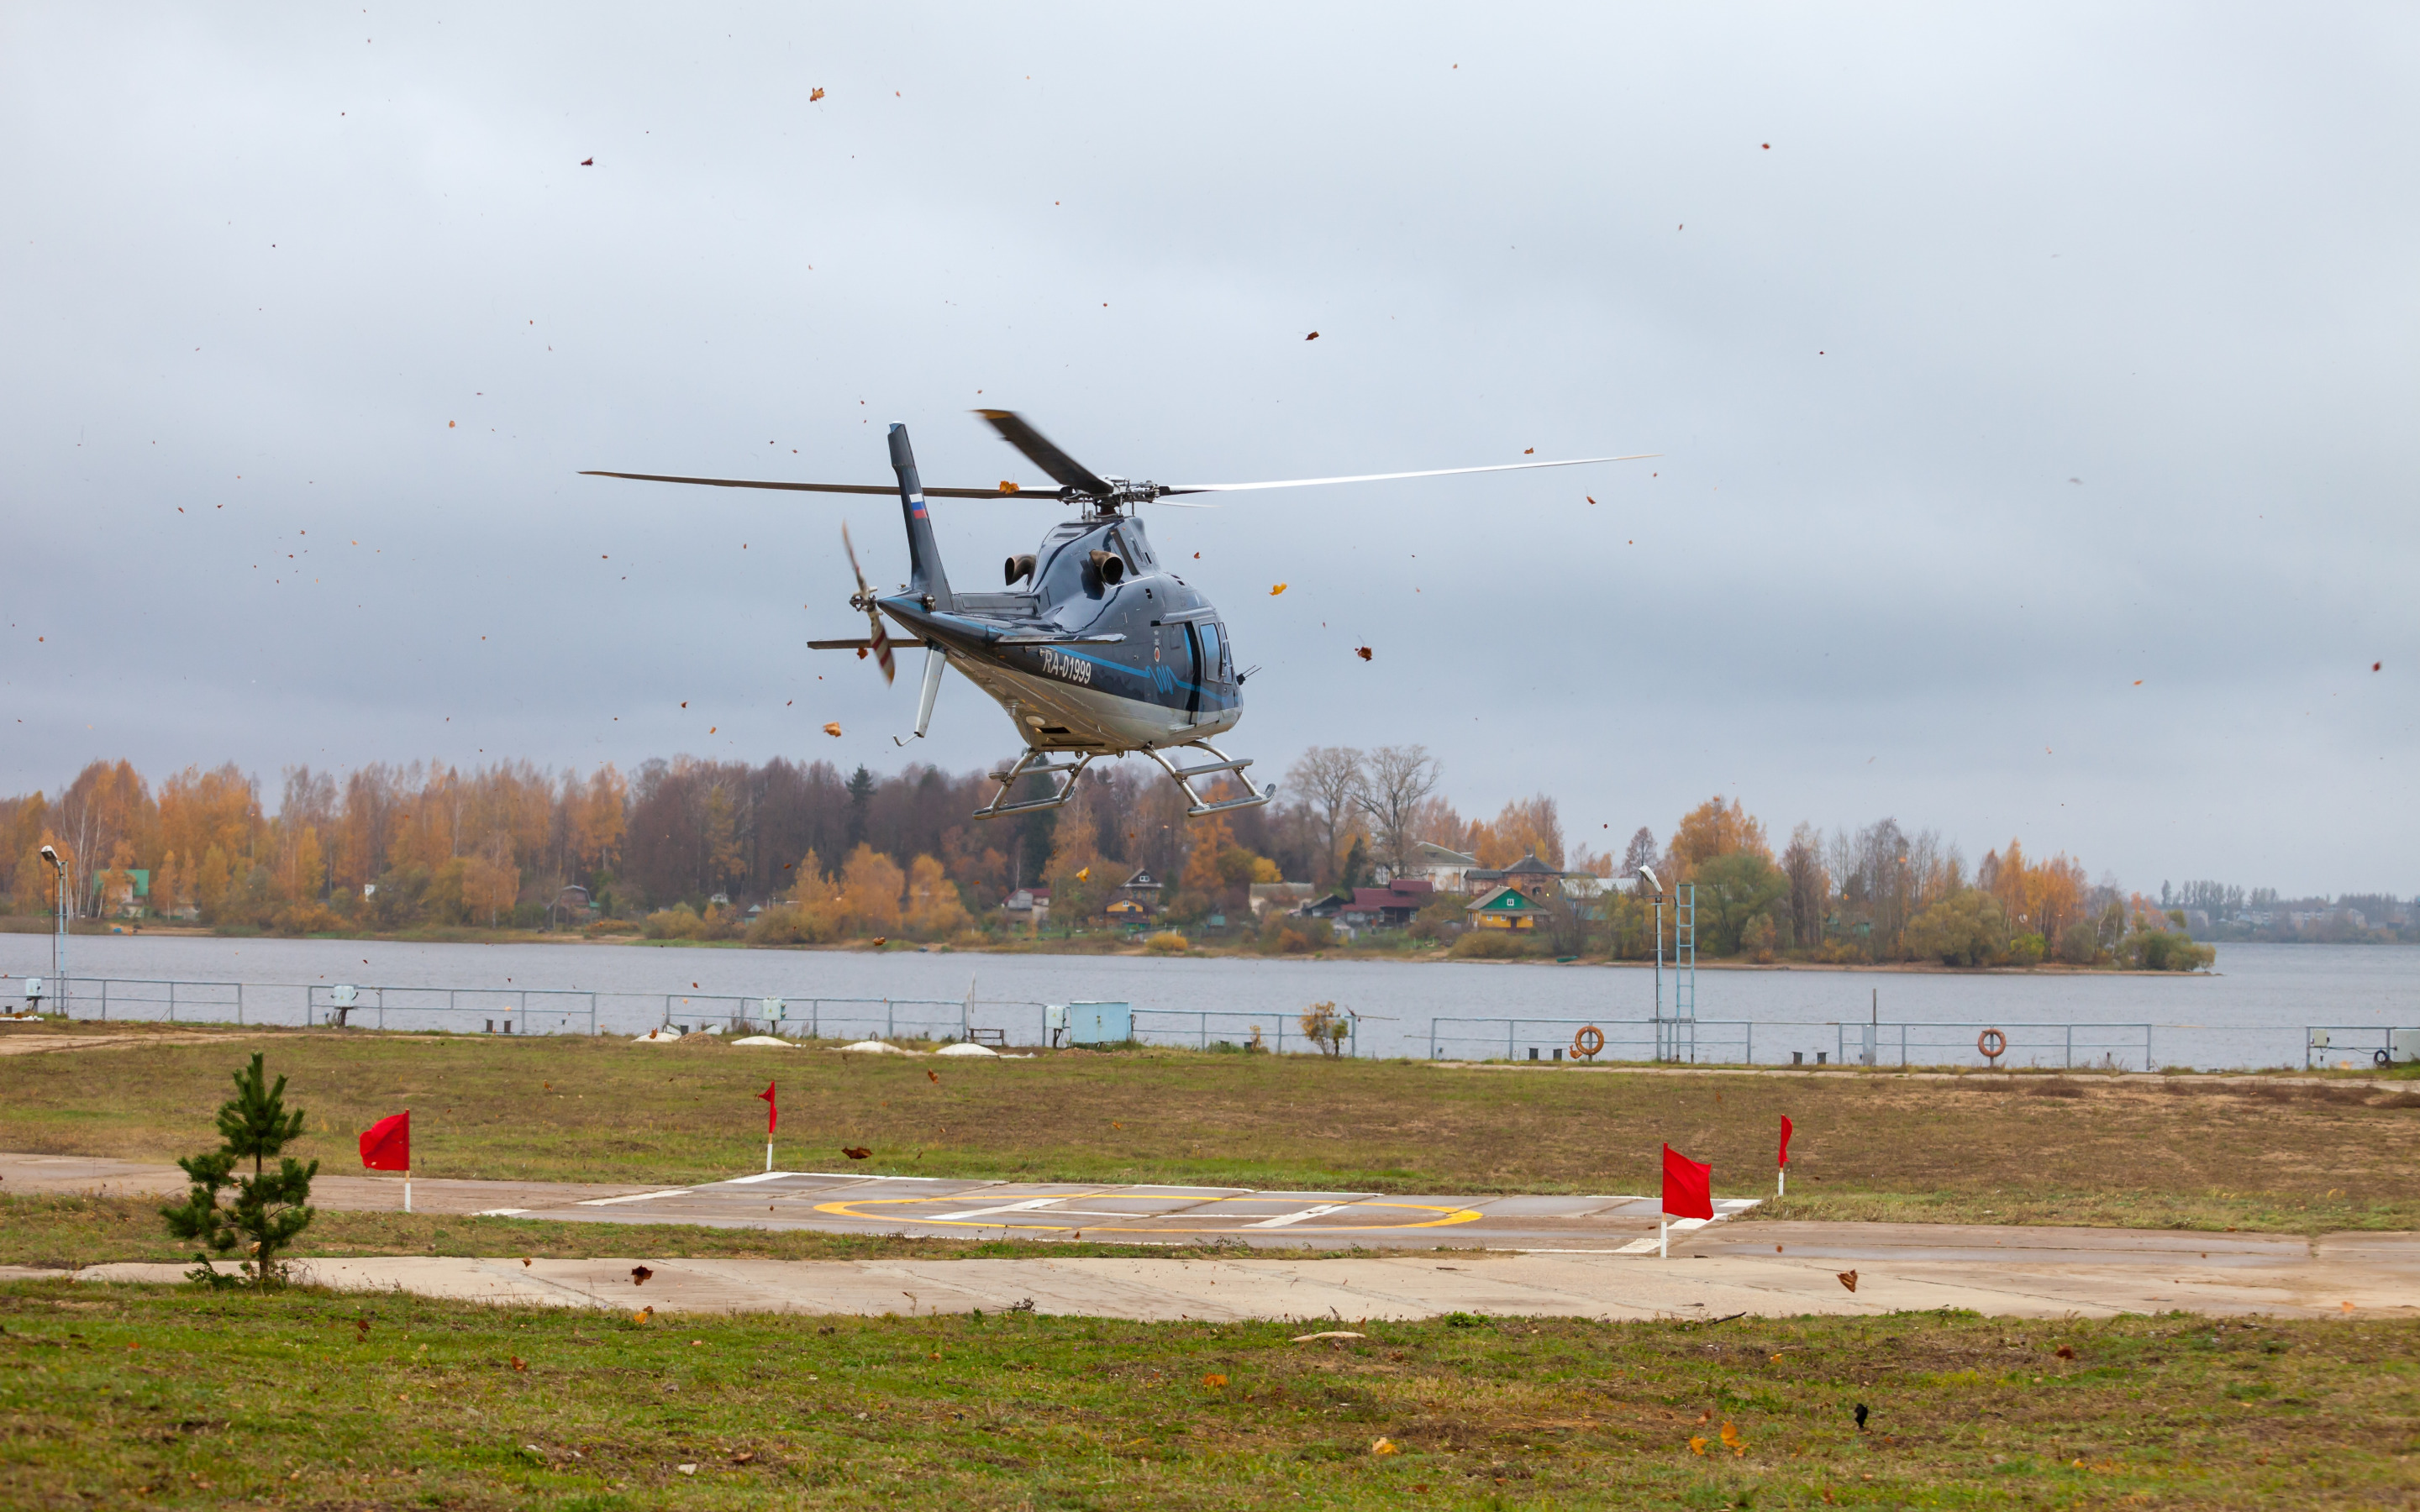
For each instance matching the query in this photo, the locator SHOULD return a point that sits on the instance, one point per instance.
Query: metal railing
(1239, 1030)
(100, 994)
(1914, 1043)
(1641, 1039)
(2364, 1042)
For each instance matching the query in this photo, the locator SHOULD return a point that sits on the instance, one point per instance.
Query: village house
(1030, 906)
(1387, 907)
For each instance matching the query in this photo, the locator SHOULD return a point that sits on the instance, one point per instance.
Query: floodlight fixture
(53, 856)
(1648, 873)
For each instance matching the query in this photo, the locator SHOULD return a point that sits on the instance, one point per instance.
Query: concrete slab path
(2375, 1276)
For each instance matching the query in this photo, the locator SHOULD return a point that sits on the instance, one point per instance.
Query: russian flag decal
(916, 502)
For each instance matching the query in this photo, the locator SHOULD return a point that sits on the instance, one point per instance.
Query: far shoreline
(1102, 947)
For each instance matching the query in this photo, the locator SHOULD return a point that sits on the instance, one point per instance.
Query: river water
(2252, 1011)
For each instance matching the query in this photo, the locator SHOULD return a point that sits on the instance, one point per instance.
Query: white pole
(769, 1155)
(1663, 1239)
(407, 1189)
(1782, 1189)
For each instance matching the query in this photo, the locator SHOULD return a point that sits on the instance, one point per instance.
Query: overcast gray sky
(2034, 389)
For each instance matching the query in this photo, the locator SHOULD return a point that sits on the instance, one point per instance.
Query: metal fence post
(2071, 1048)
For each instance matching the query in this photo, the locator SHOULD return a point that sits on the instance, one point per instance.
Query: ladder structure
(1676, 1038)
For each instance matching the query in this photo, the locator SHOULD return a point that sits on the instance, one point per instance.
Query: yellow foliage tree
(870, 885)
(489, 888)
(1528, 827)
(1715, 828)
(935, 911)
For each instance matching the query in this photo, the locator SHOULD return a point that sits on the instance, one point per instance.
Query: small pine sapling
(269, 1208)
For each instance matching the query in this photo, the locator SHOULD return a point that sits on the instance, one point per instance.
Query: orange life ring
(1588, 1041)
(1992, 1043)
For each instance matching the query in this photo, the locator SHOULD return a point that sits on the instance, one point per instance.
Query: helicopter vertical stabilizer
(924, 573)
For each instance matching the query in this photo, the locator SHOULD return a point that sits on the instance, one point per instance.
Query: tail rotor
(864, 599)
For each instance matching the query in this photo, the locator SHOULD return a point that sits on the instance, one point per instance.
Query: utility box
(2403, 1046)
(1100, 1023)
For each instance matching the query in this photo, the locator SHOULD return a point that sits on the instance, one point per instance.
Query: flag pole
(407, 1189)
(1781, 1183)
(769, 1155)
(1663, 1238)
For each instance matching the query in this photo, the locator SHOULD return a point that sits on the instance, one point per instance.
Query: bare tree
(1640, 853)
(1394, 780)
(1809, 889)
(1327, 779)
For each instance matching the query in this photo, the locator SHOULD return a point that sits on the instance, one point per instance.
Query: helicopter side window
(1214, 652)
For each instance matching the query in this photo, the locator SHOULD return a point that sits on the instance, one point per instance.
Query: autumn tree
(1079, 875)
(1735, 889)
(1526, 826)
(1809, 888)
(1715, 829)
(871, 884)
(934, 909)
(1327, 780)
(1395, 779)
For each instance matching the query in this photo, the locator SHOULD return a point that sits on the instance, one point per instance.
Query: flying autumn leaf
(814, 95)
(1213, 1380)
(832, 728)
(520, 1363)
(588, 162)
(1849, 1279)
(639, 1274)
(644, 1315)
(2064, 1351)
(1383, 1447)
(1279, 589)
(525, 1262)
(856, 1151)
(1696, 1444)
(1006, 486)
(1590, 498)
(933, 1077)
(1084, 876)
(1313, 336)
(1362, 652)
(1528, 451)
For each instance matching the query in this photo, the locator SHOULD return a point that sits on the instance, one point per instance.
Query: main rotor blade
(1018, 492)
(1038, 449)
(1386, 477)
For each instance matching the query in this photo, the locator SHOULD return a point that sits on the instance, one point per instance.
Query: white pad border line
(1724, 1208)
(636, 1197)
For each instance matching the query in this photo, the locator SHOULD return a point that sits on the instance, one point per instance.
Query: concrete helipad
(1580, 1257)
(848, 1202)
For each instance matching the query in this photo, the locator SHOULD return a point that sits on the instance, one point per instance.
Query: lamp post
(59, 930)
(1648, 873)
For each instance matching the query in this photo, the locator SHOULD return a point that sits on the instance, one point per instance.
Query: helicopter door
(1190, 666)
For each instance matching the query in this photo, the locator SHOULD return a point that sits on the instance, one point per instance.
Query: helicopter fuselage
(1107, 651)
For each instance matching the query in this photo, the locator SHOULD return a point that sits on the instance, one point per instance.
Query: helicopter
(1106, 651)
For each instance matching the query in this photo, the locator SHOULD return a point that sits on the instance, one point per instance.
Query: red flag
(386, 1145)
(1688, 1187)
(773, 1109)
(1785, 1140)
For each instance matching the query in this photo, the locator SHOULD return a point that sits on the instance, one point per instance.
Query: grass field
(2184, 1152)
(150, 1396)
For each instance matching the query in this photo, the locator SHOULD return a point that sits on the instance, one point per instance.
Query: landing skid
(1184, 778)
(1038, 763)
(1033, 764)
